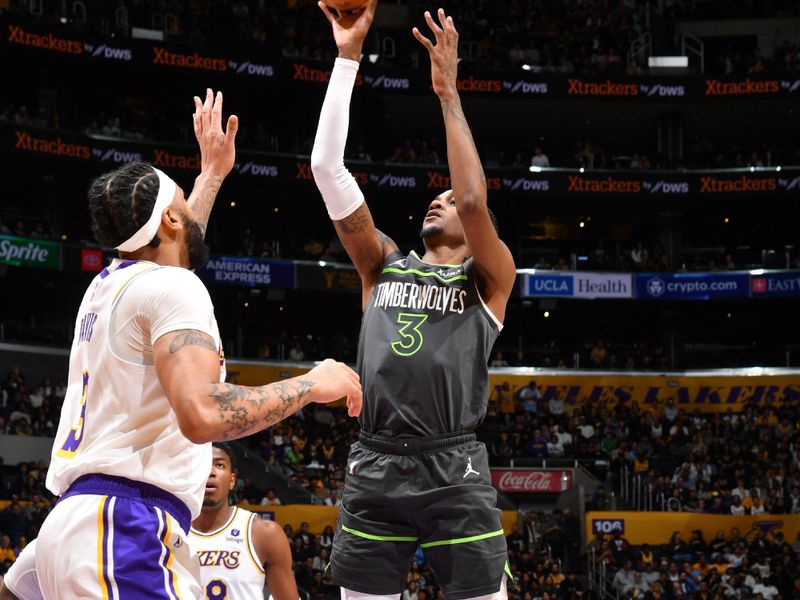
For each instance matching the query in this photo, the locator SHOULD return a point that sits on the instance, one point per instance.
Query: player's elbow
(195, 423)
(322, 166)
(470, 201)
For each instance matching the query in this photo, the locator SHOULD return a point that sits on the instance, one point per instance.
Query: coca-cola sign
(531, 481)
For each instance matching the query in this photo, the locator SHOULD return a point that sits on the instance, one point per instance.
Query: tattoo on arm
(203, 200)
(357, 222)
(191, 337)
(245, 410)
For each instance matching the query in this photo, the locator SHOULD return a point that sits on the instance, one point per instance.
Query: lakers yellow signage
(709, 391)
(657, 527)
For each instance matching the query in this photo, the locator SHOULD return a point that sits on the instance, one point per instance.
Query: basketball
(347, 7)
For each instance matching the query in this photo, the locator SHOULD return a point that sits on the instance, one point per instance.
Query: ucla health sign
(549, 284)
(248, 272)
(555, 284)
(692, 286)
(784, 284)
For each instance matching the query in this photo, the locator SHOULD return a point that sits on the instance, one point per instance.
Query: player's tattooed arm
(188, 366)
(246, 410)
(365, 244)
(202, 198)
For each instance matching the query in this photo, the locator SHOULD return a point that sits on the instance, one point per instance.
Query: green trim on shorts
(464, 540)
(507, 569)
(380, 538)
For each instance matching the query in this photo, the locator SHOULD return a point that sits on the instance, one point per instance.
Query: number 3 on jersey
(75, 436)
(216, 590)
(412, 339)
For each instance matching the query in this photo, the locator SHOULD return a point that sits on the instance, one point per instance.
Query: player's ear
(171, 218)
(233, 480)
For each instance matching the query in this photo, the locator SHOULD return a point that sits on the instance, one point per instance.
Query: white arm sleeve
(338, 187)
(21, 579)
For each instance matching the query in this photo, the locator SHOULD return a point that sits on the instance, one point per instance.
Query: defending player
(234, 546)
(418, 476)
(147, 389)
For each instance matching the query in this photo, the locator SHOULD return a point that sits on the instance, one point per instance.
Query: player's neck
(213, 517)
(166, 255)
(445, 255)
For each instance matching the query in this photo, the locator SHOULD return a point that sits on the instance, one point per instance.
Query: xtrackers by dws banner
(29, 44)
(265, 168)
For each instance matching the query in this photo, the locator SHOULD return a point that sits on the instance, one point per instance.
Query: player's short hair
(227, 449)
(121, 201)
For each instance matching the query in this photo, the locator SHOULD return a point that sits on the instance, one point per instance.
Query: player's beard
(429, 230)
(196, 247)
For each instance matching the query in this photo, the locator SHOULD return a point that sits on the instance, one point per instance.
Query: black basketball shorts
(404, 493)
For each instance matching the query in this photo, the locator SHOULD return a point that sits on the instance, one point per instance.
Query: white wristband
(338, 187)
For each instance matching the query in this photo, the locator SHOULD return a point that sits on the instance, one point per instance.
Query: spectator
(539, 159)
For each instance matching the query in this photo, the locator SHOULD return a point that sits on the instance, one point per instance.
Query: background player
(147, 389)
(418, 476)
(235, 547)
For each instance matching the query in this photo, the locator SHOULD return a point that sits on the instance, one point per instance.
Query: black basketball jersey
(426, 337)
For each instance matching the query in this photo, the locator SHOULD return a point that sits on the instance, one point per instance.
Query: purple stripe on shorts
(106, 527)
(137, 548)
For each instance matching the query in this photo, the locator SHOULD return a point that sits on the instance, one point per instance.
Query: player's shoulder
(173, 276)
(169, 281)
(263, 527)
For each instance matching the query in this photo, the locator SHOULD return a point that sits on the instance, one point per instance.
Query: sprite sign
(24, 252)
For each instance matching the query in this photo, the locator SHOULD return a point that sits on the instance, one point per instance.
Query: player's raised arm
(366, 246)
(217, 154)
(493, 260)
(187, 363)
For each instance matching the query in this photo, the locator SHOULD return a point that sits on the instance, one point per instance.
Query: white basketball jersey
(229, 565)
(116, 418)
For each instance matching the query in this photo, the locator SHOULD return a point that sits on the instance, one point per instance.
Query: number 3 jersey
(426, 337)
(229, 565)
(116, 418)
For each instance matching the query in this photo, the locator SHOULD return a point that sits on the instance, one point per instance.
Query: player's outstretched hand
(350, 28)
(217, 147)
(444, 54)
(334, 380)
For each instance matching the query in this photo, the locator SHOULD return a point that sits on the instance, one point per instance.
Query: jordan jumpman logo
(470, 470)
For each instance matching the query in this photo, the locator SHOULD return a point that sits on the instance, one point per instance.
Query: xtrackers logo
(440, 181)
(56, 147)
(17, 35)
(169, 160)
(162, 56)
(473, 84)
(607, 185)
(715, 87)
(579, 87)
(714, 185)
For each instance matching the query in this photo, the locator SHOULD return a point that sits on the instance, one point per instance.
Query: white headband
(166, 192)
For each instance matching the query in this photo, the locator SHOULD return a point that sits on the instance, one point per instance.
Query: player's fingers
(206, 114)
(216, 112)
(370, 9)
(452, 27)
(437, 31)
(231, 129)
(326, 11)
(422, 39)
(354, 401)
(442, 19)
